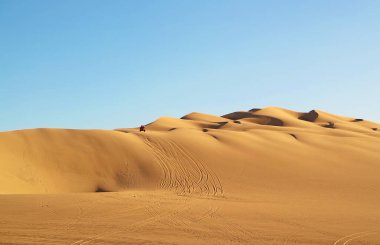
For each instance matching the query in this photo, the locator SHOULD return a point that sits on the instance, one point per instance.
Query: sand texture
(264, 176)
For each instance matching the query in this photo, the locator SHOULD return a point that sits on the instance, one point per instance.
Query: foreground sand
(269, 176)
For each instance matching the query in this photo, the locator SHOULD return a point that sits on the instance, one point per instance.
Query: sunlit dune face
(264, 176)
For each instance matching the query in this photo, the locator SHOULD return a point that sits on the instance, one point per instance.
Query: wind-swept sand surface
(264, 176)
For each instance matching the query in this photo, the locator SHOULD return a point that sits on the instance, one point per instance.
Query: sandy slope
(265, 176)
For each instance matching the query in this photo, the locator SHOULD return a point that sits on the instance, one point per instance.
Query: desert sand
(264, 176)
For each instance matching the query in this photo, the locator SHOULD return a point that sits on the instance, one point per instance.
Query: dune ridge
(262, 176)
(63, 160)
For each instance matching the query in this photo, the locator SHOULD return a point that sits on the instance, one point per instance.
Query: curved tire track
(349, 238)
(183, 171)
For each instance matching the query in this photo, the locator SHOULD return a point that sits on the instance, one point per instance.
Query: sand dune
(263, 176)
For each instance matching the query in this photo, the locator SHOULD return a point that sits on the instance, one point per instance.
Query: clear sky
(110, 64)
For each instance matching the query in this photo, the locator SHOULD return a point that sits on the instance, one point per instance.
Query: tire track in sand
(183, 171)
(155, 213)
(349, 238)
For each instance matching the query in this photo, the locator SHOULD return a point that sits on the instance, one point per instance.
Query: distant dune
(264, 176)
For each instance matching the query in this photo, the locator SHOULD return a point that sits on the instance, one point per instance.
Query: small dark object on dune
(357, 120)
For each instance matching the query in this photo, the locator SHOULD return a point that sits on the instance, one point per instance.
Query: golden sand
(265, 176)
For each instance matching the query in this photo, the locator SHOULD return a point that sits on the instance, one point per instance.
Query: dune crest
(172, 154)
(263, 176)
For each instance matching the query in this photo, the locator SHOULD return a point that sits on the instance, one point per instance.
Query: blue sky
(110, 64)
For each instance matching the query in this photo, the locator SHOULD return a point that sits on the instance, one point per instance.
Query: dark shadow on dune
(219, 125)
(311, 116)
(254, 109)
(222, 123)
(274, 122)
(206, 130)
(329, 125)
(238, 122)
(263, 120)
(121, 131)
(100, 189)
(214, 137)
(293, 135)
(374, 129)
(357, 120)
(267, 120)
(172, 129)
(238, 115)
